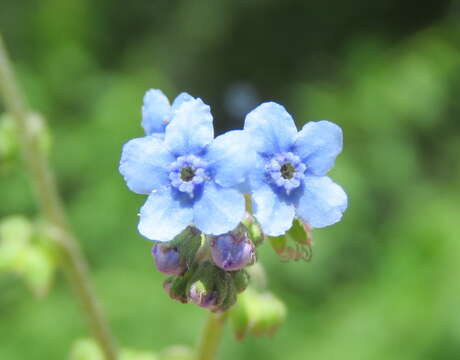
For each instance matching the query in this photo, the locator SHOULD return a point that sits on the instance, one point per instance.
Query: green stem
(52, 209)
(211, 336)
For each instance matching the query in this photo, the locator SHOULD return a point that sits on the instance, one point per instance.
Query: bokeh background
(383, 284)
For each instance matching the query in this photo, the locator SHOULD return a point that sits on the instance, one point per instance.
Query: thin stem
(52, 209)
(211, 336)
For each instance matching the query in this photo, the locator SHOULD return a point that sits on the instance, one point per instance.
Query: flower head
(157, 113)
(190, 177)
(232, 251)
(167, 259)
(289, 177)
(200, 295)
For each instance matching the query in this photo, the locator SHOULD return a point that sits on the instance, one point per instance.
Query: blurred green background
(383, 284)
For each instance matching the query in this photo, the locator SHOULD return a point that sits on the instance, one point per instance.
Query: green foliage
(26, 251)
(87, 349)
(383, 283)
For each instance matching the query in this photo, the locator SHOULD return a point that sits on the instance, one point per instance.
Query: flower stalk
(51, 207)
(211, 336)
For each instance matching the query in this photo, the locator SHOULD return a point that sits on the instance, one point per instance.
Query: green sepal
(298, 233)
(278, 243)
(187, 243)
(240, 280)
(180, 285)
(223, 283)
(230, 297)
(300, 236)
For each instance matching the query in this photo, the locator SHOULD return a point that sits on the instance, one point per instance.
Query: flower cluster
(197, 184)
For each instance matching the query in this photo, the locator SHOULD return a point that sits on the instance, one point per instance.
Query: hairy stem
(211, 336)
(51, 207)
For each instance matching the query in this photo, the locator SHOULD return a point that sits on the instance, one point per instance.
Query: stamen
(287, 170)
(187, 173)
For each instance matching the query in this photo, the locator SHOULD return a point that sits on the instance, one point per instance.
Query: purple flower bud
(232, 251)
(201, 296)
(167, 259)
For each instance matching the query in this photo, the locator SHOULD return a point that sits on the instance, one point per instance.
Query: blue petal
(257, 175)
(144, 164)
(156, 112)
(318, 144)
(271, 127)
(230, 157)
(180, 99)
(218, 210)
(191, 129)
(274, 213)
(322, 202)
(164, 215)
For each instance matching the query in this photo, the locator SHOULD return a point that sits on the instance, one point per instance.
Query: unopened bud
(232, 251)
(202, 296)
(266, 313)
(254, 230)
(167, 259)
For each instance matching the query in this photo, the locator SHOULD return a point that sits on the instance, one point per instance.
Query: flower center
(286, 171)
(187, 173)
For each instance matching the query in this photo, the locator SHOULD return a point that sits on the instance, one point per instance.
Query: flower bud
(167, 259)
(202, 296)
(239, 318)
(254, 230)
(232, 251)
(267, 313)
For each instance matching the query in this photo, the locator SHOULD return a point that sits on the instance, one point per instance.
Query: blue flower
(289, 176)
(157, 113)
(190, 177)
